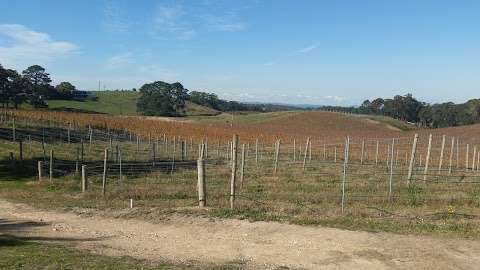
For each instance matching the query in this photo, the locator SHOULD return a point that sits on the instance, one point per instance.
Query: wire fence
(312, 176)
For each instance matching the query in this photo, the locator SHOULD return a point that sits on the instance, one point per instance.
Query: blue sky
(315, 52)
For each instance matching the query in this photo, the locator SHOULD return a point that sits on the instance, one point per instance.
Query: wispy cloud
(308, 48)
(27, 46)
(116, 18)
(186, 22)
(171, 21)
(303, 50)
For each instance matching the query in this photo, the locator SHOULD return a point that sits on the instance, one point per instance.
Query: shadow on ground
(15, 233)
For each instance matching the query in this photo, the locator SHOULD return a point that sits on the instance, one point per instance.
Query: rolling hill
(118, 103)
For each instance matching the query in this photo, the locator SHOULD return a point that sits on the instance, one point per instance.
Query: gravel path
(261, 245)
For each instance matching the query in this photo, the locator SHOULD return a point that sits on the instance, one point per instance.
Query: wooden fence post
(466, 158)
(450, 160)
(457, 159)
(242, 166)
(473, 158)
(39, 165)
(440, 162)
(174, 152)
(234, 171)
(104, 176)
(305, 154)
(277, 152)
(201, 150)
(376, 153)
(324, 152)
(412, 159)
(201, 184)
(84, 178)
(294, 151)
(427, 158)
(387, 161)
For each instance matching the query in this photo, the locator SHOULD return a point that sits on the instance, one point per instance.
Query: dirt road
(261, 245)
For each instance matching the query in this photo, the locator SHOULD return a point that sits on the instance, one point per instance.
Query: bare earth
(261, 245)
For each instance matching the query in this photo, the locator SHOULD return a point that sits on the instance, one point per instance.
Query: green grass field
(109, 102)
(118, 103)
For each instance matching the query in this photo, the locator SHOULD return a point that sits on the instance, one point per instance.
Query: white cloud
(308, 48)
(171, 21)
(30, 47)
(120, 60)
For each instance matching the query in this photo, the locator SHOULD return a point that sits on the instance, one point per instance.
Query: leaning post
(412, 159)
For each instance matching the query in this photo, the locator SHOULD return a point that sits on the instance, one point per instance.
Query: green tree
(39, 79)
(37, 75)
(13, 87)
(3, 86)
(205, 99)
(162, 99)
(65, 89)
(17, 88)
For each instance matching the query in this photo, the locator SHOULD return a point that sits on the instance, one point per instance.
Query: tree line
(164, 99)
(33, 85)
(408, 108)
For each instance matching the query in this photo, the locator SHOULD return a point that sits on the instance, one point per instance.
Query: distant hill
(117, 103)
(125, 103)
